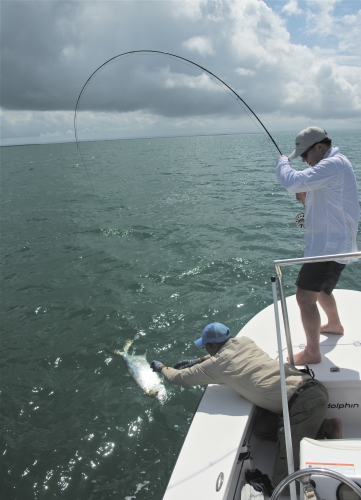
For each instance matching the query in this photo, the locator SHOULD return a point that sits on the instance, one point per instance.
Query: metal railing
(285, 409)
(304, 260)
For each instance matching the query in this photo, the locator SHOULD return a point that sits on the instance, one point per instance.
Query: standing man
(241, 365)
(328, 190)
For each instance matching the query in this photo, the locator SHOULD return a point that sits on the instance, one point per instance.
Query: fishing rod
(176, 57)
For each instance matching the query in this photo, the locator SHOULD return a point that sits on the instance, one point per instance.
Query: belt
(306, 385)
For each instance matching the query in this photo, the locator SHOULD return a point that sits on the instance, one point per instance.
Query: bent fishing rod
(176, 57)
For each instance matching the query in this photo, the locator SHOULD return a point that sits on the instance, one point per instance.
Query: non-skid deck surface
(338, 351)
(213, 441)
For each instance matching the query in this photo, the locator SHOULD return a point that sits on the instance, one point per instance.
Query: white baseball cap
(307, 138)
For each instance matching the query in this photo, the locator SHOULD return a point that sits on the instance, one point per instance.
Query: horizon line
(155, 137)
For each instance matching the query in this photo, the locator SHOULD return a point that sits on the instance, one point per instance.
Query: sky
(295, 63)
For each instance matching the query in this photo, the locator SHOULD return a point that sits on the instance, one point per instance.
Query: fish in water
(141, 373)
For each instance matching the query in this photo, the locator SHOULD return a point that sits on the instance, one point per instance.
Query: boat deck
(340, 368)
(221, 427)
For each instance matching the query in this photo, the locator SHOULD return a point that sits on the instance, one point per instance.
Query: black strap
(259, 481)
(308, 371)
(309, 383)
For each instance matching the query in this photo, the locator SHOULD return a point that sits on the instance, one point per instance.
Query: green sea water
(158, 238)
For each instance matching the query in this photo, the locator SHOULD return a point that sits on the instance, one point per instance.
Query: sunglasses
(305, 154)
(208, 344)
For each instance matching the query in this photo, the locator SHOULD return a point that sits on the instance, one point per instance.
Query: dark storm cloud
(49, 51)
(33, 36)
(158, 83)
(51, 47)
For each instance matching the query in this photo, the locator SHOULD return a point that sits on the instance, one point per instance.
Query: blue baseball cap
(215, 332)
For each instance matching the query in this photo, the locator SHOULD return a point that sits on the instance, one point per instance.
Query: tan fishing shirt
(243, 366)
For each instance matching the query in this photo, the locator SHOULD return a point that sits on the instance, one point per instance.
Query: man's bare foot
(333, 428)
(304, 357)
(335, 329)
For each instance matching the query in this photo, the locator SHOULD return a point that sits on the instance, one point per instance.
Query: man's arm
(196, 375)
(319, 176)
(301, 197)
(187, 363)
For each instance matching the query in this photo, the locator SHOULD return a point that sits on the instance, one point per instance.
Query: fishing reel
(300, 220)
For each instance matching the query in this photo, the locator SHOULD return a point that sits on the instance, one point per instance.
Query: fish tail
(127, 344)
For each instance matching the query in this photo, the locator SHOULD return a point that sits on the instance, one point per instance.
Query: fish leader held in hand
(141, 373)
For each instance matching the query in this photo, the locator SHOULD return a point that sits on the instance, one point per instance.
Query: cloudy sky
(295, 63)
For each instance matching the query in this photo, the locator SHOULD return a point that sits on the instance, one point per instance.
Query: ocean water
(156, 239)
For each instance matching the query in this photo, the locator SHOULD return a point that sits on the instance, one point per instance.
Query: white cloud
(292, 8)
(200, 44)
(246, 43)
(319, 16)
(245, 72)
(258, 35)
(348, 33)
(188, 8)
(291, 77)
(36, 126)
(201, 82)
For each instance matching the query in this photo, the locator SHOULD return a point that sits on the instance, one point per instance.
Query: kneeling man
(241, 365)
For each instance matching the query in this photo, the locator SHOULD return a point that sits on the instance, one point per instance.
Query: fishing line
(127, 54)
(86, 170)
(247, 109)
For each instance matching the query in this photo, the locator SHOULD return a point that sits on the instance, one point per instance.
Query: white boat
(219, 447)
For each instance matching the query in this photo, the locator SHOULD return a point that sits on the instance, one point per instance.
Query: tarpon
(142, 374)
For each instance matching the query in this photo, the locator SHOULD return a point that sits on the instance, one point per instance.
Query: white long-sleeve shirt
(332, 209)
